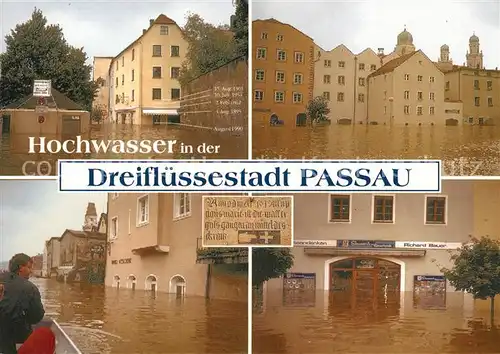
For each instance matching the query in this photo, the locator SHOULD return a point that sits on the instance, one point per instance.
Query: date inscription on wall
(229, 100)
(122, 261)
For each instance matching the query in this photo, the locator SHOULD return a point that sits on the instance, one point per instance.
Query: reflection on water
(386, 324)
(465, 150)
(104, 320)
(14, 148)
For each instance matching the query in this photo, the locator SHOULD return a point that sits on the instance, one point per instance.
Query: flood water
(465, 150)
(15, 159)
(330, 324)
(107, 320)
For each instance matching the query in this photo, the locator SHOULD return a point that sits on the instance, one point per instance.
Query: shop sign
(122, 261)
(300, 275)
(428, 245)
(434, 278)
(364, 244)
(372, 244)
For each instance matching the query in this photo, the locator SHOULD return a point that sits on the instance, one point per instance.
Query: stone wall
(218, 100)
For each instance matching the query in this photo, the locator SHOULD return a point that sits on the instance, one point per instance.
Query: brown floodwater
(15, 159)
(332, 323)
(107, 320)
(465, 150)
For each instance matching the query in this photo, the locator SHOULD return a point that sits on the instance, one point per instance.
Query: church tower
(444, 62)
(90, 222)
(404, 43)
(474, 56)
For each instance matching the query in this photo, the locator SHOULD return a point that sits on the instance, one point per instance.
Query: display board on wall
(299, 289)
(429, 291)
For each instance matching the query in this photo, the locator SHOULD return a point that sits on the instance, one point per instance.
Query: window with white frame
(260, 75)
(279, 96)
(435, 210)
(299, 57)
(420, 110)
(113, 228)
(340, 208)
(297, 97)
(261, 53)
(297, 78)
(258, 95)
(407, 77)
(182, 205)
(281, 55)
(280, 77)
(143, 210)
(383, 209)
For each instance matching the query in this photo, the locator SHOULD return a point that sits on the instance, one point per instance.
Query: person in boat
(20, 304)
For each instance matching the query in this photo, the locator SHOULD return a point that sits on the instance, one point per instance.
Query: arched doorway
(178, 285)
(358, 279)
(131, 281)
(151, 283)
(116, 281)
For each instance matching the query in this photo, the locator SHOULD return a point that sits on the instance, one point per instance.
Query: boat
(64, 344)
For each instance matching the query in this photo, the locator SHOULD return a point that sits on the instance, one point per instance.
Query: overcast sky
(104, 28)
(31, 212)
(376, 24)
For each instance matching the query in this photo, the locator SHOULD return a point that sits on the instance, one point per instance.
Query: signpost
(42, 88)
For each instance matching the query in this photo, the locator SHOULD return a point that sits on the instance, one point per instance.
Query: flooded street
(465, 150)
(106, 320)
(15, 160)
(332, 323)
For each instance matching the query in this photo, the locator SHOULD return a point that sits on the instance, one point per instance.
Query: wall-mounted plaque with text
(238, 221)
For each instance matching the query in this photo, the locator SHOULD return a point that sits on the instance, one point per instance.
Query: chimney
(380, 51)
(151, 22)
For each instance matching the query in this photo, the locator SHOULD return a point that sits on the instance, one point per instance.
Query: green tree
(476, 270)
(270, 263)
(38, 51)
(209, 47)
(97, 113)
(240, 27)
(317, 109)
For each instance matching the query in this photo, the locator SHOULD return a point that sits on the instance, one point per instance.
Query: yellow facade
(283, 71)
(144, 86)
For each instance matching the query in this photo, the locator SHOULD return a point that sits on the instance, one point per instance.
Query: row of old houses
(404, 86)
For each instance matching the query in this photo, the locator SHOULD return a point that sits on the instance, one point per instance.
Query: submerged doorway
(361, 279)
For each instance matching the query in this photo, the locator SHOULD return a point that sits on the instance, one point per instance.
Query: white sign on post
(42, 88)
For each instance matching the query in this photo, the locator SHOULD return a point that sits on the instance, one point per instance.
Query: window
(407, 109)
(328, 63)
(299, 57)
(182, 205)
(432, 79)
(383, 209)
(263, 35)
(489, 85)
(261, 53)
(435, 210)
(258, 95)
(477, 101)
(326, 95)
(420, 78)
(373, 67)
(174, 72)
(476, 84)
(419, 110)
(280, 55)
(175, 94)
(164, 30)
(157, 50)
(385, 109)
(133, 95)
(420, 96)
(490, 101)
(116, 82)
(447, 86)
(133, 54)
(279, 38)
(340, 208)
(175, 51)
(297, 97)
(260, 75)
(142, 210)
(123, 61)
(279, 96)
(361, 66)
(340, 97)
(297, 78)
(407, 77)
(326, 79)
(431, 96)
(157, 94)
(123, 79)
(361, 81)
(114, 228)
(156, 72)
(280, 77)
(407, 95)
(431, 110)
(341, 80)
(132, 75)
(341, 64)
(361, 97)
